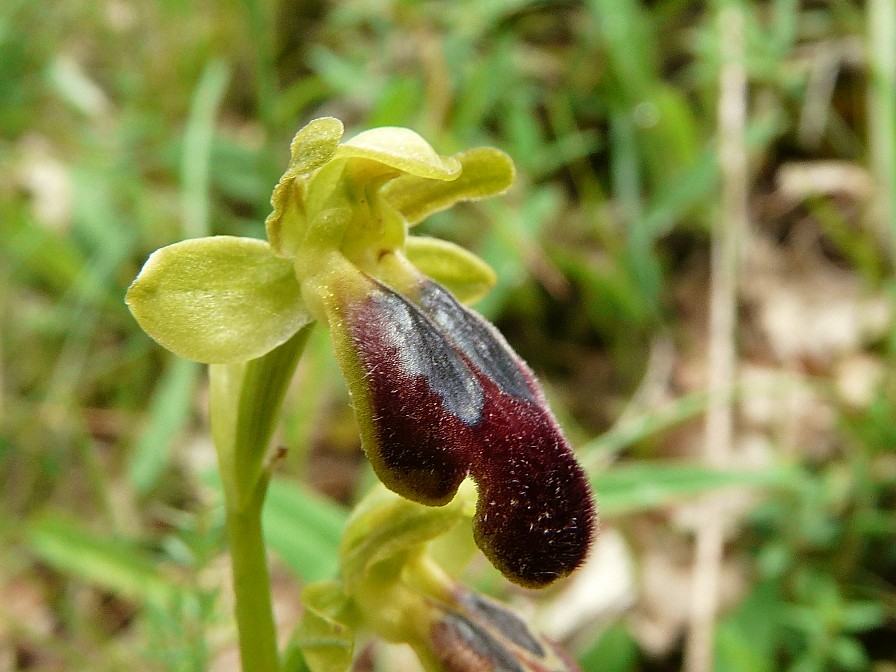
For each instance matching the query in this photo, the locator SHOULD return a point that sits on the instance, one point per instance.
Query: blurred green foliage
(125, 126)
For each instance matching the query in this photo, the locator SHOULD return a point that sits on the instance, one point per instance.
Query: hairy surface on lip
(448, 398)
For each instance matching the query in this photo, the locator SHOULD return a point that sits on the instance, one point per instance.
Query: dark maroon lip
(449, 399)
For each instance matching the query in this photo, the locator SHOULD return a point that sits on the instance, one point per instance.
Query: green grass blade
(634, 429)
(114, 564)
(304, 529)
(649, 485)
(197, 149)
(169, 411)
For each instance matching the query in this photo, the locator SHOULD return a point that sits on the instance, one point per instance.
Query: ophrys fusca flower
(438, 393)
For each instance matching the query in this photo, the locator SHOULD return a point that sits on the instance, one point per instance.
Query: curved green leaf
(217, 300)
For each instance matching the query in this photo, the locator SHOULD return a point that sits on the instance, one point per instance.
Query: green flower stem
(252, 588)
(245, 403)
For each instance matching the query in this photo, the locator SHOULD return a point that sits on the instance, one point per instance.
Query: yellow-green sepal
(485, 171)
(464, 274)
(218, 300)
(312, 147)
(402, 150)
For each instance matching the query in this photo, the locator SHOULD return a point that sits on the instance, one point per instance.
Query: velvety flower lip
(440, 396)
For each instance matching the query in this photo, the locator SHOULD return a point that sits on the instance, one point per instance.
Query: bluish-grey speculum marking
(477, 340)
(504, 621)
(423, 351)
(482, 643)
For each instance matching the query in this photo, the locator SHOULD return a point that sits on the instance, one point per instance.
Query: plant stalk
(252, 588)
(245, 403)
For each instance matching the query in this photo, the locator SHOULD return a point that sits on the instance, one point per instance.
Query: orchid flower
(438, 393)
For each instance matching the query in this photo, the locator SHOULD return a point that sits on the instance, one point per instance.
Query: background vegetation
(669, 152)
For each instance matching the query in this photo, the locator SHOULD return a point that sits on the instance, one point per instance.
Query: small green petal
(218, 300)
(286, 224)
(485, 172)
(312, 147)
(462, 272)
(402, 149)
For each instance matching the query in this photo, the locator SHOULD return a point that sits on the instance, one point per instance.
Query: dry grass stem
(726, 243)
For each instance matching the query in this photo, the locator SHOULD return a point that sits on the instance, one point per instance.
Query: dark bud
(483, 636)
